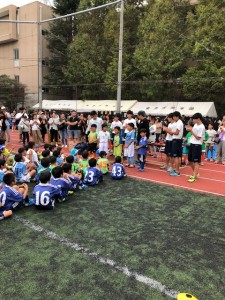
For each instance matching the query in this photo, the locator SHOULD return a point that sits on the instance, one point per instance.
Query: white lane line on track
(176, 185)
(103, 260)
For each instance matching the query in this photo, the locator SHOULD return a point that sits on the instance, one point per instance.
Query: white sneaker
(170, 170)
(62, 146)
(66, 146)
(56, 145)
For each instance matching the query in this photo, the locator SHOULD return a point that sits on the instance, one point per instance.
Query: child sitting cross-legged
(59, 180)
(20, 170)
(12, 196)
(43, 167)
(93, 174)
(53, 162)
(3, 169)
(118, 170)
(74, 178)
(75, 165)
(45, 194)
(103, 163)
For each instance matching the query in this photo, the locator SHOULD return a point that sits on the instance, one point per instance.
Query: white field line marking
(187, 175)
(103, 260)
(175, 185)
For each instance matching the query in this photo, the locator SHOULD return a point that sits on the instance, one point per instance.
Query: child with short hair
(93, 139)
(3, 169)
(129, 146)
(74, 178)
(75, 165)
(142, 149)
(58, 180)
(24, 124)
(53, 162)
(103, 163)
(32, 154)
(118, 169)
(57, 154)
(20, 170)
(93, 174)
(84, 163)
(210, 142)
(45, 194)
(117, 142)
(12, 196)
(103, 139)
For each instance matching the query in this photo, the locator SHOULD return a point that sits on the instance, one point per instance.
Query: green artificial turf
(173, 236)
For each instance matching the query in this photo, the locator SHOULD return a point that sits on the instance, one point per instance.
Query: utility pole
(40, 59)
(120, 62)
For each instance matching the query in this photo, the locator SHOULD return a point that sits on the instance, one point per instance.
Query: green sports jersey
(93, 137)
(103, 164)
(52, 166)
(75, 167)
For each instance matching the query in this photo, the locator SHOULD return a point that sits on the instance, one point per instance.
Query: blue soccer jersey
(92, 176)
(2, 174)
(9, 198)
(144, 146)
(74, 180)
(118, 171)
(46, 194)
(19, 170)
(64, 184)
(129, 136)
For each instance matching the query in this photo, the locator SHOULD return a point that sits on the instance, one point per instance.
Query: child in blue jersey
(118, 169)
(74, 178)
(3, 169)
(129, 146)
(20, 170)
(45, 194)
(142, 149)
(59, 159)
(93, 175)
(12, 196)
(60, 181)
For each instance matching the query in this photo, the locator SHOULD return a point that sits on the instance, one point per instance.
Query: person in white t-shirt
(103, 139)
(168, 145)
(195, 149)
(35, 128)
(152, 137)
(94, 120)
(210, 142)
(128, 120)
(116, 123)
(177, 139)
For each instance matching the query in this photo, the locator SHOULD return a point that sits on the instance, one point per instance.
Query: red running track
(211, 180)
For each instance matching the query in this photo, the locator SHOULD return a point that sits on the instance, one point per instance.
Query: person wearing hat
(143, 124)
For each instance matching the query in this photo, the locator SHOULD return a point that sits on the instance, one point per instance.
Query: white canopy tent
(185, 108)
(86, 106)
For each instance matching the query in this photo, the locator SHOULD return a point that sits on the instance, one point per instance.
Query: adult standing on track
(128, 120)
(95, 120)
(22, 112)
(220, 153)
(7, 118)
(73, 126)
(143, 124)
(177, 139)
(43, 125)
(53, 127)
(195, 149)
(35, 129)
(62, 127)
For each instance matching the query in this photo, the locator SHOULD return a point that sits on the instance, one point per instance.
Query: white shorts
(25, 178)
(129, 152)
(103, 147)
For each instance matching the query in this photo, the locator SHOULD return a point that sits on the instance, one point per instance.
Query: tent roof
(185, 108)
(86, 106)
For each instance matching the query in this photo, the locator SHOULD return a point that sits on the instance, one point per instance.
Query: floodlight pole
(40, 59)
(120, 62)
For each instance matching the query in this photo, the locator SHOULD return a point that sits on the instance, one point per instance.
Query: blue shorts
(74, 134)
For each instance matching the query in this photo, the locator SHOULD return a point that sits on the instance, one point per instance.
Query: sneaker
(31, 202)
(170, 170)
(70, 193)
(174, 174)
(206, 159)
(193, 179)
(211, 159)
(140, 170)
(164, 167)
(216, 162)
(66, 146)
(131, 166)
(56, 145)
(61, 200)
(62, 146)
(83, 187)
(126, 165)
(201, 164)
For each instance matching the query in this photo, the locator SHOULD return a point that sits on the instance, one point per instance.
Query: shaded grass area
(173, 236)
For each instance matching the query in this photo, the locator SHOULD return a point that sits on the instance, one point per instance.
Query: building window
(16, 57)
(16, 54)
(17, 78)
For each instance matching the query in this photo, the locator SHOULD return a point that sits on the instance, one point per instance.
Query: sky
(4, 3)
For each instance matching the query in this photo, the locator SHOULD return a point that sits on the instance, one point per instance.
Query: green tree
(59, 36)
(161, 52)
(206, 43)
(11, 92)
